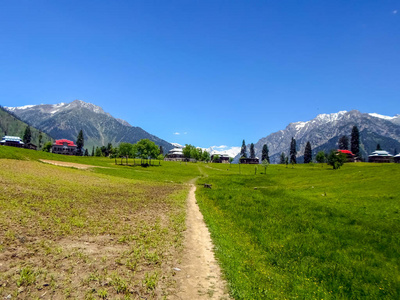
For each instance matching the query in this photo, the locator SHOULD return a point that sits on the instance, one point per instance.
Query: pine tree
(355, 141)
(161, 150)
(93, 151)
(79, 143)
(394, 151)
(378, 147)
(27, 135)
(265, 153)
(40, 140)
(252, 152)
(282, 159)
(243, 151)
(86, 152)
(293, 151)
(307, 153)
(343, 143)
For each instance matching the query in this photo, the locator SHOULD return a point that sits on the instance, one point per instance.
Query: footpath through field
(199, 275)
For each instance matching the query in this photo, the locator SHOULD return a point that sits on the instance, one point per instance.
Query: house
(396, 158)
(223, 158)
(64, 146)
(248, 160)
(14, 141)
(349, 155)
(175, 154)
(380, 156)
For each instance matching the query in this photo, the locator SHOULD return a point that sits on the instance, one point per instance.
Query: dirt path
(199, 276)
(68, 164)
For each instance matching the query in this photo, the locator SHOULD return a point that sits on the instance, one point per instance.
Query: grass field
(307, 232)
(114, 232)
(94, 234)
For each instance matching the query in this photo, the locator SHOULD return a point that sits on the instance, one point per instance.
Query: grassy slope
(307, 232)
(112, 232)
(15, 127)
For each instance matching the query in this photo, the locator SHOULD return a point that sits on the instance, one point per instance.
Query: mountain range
(65, 120)
(11, 125)
(324, 131)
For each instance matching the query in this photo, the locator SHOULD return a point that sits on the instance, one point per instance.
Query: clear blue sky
(214, 71)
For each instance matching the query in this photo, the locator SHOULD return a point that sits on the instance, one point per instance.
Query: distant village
(190, 153)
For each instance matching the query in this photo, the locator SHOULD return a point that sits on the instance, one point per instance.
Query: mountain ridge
(65, 120)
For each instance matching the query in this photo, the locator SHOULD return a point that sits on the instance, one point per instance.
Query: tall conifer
(307, 153)
(252, 152)
(293, 151)
(355, 141)
(243, 151)
(265, 153)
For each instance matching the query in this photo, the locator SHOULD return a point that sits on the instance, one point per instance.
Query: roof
(345, 151)
(62, 141)
(398, 155)
(175, 150)
(380, 153)
(9, 138)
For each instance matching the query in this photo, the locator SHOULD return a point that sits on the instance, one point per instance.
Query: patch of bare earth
(69, 234)
(68, 164)
(199, 275)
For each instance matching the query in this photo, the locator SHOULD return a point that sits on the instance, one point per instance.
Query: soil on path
(68, 164)
(200, 275)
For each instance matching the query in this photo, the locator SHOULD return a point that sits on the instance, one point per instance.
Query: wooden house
(223, 158)
(64, 146)
(380, 156)
(13, 141)
(248, 160)
(349, 155)
(175, 154)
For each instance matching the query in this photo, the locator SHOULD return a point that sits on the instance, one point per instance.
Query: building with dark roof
(396, 158)
(380, 156)
(64, 146)
(14, 141)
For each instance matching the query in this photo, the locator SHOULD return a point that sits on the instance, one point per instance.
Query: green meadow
(116, 231)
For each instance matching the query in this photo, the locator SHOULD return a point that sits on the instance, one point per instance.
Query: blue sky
(216, 72)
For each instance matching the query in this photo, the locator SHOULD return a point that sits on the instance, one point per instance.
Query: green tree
(320, 158)
(243, 150)
(355, 141)
(286, 161)
(336, 159)
(125, 150)
(188, 151)
(40, 140)
(86, 152)
(230, 160)
(343, 143)
(47, 147)
(308, 153)
(93, 151)
(282, 158)
(27, 135)
(98, 152)
(161, 150)
(265, 153)
(147, 150)
(378, 147)
(206, 156)
(79, 143)
(265, 164)
(293, 151)
(252, 152)
(216, 158)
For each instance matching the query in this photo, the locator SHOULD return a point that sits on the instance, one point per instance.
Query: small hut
(13, 141)
(64, 146)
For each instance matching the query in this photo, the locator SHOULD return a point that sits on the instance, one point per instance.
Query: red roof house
(349, 155)
(64, 146)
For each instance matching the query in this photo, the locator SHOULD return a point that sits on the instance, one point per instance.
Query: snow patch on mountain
(19, 107)
(176, 145)
(382, 116)
(223, 149)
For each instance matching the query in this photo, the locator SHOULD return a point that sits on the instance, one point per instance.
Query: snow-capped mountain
(65, 120)
(324, 131)
(230, 151)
